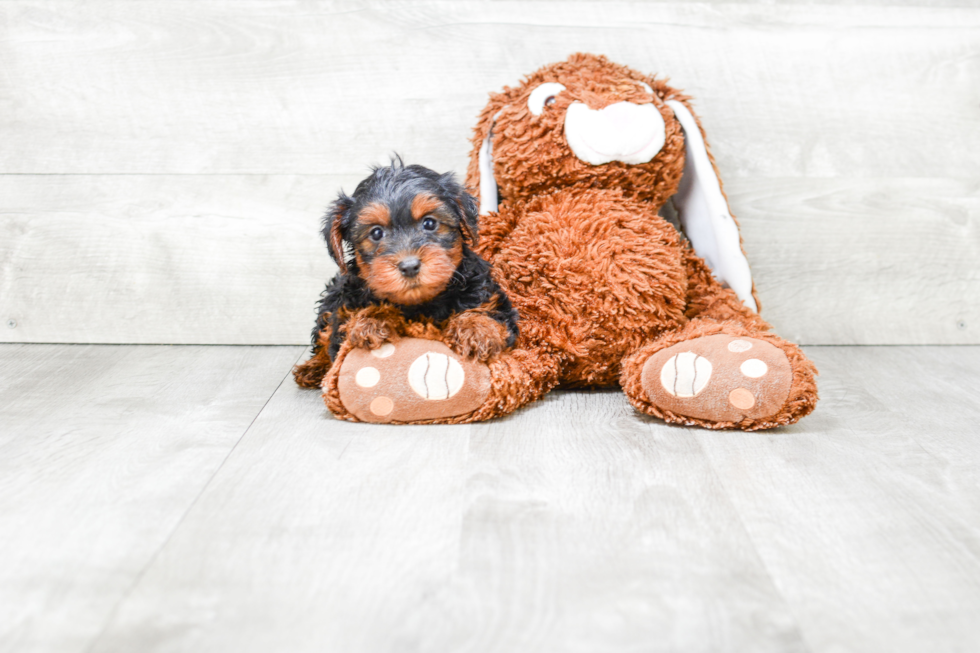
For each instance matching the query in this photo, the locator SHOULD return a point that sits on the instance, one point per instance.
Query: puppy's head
(406, 226)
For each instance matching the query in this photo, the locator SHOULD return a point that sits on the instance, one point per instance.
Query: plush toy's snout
(624, 131)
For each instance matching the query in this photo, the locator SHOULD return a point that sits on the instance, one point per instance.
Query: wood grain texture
(320, 87)
(848, 137)
(102, 451)
(866, 513)
(143, 259)
(865, 261)
(577, 525)
(573, 526)
(238, 259)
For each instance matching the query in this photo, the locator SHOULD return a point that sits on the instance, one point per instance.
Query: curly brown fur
(600, 279)
(409, 231)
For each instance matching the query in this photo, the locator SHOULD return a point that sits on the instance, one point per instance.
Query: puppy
(410, 264)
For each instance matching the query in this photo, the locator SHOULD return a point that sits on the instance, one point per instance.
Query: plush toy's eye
(542, 96)
(376, 234)
(429, 224)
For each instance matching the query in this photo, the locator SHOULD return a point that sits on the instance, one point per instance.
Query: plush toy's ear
(704, 213)
(335, 223)
(488, 185)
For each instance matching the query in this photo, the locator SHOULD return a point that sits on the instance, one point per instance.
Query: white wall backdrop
(163, 165)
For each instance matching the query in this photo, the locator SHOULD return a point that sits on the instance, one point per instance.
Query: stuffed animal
(574, 167)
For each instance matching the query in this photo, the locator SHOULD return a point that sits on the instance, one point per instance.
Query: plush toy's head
(589, 123)
(585, 119)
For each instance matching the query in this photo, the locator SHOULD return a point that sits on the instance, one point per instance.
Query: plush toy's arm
(704, 212)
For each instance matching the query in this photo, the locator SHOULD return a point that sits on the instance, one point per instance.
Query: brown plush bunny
(573, 167)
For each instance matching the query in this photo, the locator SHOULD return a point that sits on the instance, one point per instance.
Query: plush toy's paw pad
(411, 380)
(720, 378)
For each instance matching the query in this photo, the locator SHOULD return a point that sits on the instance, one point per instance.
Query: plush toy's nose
(627, 132)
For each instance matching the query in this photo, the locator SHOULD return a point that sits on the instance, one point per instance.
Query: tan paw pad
(753, 368)
(719, 378)
(409, 381)
(741, 398)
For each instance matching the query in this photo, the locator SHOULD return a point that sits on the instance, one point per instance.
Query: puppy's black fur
(396, 187)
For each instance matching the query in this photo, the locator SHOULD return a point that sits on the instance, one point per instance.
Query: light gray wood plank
(102, 452)
(238, 259)
(572, 526)
(321, 87)
(171, 259)
(866, 513)
(590, 528)
(325, 535)
(865, 261)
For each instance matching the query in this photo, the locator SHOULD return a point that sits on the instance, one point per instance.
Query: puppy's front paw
(475, 335)
(368, 332)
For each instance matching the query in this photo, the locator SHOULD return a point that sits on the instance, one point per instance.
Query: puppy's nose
(409, 266)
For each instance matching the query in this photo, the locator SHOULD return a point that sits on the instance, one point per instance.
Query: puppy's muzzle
(410, 266)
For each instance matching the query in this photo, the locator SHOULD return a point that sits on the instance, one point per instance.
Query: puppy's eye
(429, 224)
(376, 234)
(544, 95)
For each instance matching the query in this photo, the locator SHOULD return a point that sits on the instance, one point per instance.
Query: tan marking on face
(424, 204)
(387, 282)
(456, 254)
(375, 213)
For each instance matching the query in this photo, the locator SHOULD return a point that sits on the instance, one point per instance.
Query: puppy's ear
(469, 224)
(335, 224)
(467, 208)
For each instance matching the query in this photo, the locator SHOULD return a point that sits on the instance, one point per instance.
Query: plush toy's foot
(721, 375)
(720, 378)
(410, 380)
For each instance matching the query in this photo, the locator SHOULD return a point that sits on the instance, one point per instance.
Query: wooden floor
(157, 498)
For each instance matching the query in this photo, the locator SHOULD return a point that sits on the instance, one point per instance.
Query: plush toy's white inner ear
(488, 185)
(704, 213)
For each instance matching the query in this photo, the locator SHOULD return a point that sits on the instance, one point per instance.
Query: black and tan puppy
(409, 262)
